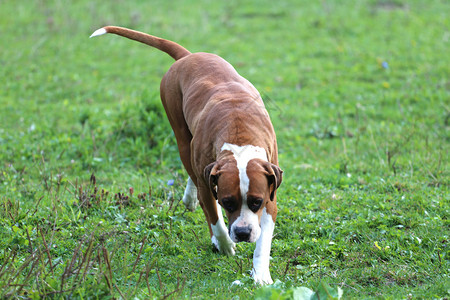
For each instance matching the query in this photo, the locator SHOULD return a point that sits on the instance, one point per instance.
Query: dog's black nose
(243, 233)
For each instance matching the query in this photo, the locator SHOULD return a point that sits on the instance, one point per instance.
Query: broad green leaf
(324, 291)
(302, 293)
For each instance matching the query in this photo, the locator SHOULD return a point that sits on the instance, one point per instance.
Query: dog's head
(243, 186)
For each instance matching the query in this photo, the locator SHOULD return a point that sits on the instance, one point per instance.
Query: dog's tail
(171, 48)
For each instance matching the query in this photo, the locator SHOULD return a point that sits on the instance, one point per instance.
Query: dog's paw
(214, 248)
(225, 245)
(190, 196)
(190, 201)
(262, 277)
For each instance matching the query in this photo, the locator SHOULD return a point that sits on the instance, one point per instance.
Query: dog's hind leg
(190, 195)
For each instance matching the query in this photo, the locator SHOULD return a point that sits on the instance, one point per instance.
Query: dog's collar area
(245, 153)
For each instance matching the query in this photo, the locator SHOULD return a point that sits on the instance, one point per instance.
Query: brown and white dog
(227, 145)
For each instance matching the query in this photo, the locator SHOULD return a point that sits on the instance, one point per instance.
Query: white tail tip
(98, 32)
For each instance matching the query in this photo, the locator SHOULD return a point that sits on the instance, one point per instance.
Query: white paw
(224, 245)
(190, 201)
(190, 196)
(262, 277)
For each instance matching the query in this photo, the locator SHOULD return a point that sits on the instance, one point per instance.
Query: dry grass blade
(6, 262)
(25, 264)
(108, 267)
(47, 251)
(87, 257)
(68, 270)
(177, 289)
(33, 259)
(139, 254)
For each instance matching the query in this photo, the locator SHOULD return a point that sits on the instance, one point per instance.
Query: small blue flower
(170, 182)
(385, 65)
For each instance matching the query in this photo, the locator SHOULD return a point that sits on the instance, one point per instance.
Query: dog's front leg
(213, 212)
(261, 256)
(221, 238)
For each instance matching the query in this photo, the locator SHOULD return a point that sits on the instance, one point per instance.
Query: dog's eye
(254, 204)
(229, 204)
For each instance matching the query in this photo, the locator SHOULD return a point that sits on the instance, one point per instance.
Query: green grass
(358, 92)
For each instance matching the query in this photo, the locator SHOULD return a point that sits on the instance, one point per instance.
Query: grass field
(91, 181)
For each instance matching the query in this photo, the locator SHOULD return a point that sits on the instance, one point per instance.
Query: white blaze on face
(243, 154)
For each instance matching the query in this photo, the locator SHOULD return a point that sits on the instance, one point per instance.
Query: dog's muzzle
(243, 233)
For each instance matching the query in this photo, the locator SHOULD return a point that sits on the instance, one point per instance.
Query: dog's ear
(211, 173)
(274, 176)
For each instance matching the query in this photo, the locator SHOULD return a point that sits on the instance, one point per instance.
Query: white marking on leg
(190, 195)
(261, 256)
(98, 32)
(220, 237)
(243, 154)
